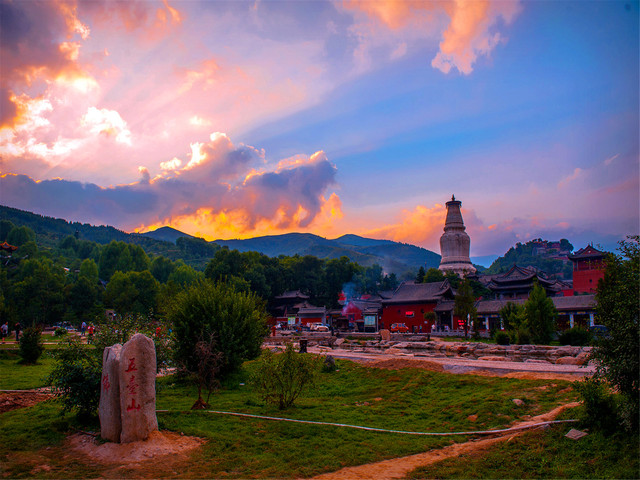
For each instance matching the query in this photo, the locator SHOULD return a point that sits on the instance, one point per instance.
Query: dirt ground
(400, 467)
(13, 400)
(399, 363)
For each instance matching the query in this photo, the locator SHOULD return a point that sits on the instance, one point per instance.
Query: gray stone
(109, 407)
(138, 389)
(518, 402)
(385, 335)
(574, 434)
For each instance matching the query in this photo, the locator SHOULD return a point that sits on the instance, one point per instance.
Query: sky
(239, 119)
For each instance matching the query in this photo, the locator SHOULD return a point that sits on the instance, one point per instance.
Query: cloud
(34, 44)
(208, 193)
(107, 122)
(468, 28)
(577, 173)
(420, 226)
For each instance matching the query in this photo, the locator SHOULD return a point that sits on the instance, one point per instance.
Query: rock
(339, 342)
(533, 360)
(138, 389)
(109, 407)
(582, 358)
(385, 335)
(472, 418)
(489, 358)
(567, 361)
(518, 402)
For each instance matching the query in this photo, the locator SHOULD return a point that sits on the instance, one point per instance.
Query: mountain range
(393, 257)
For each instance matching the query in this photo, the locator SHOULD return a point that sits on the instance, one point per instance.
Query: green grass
(410, 399)
(14, 376)
(546, 454)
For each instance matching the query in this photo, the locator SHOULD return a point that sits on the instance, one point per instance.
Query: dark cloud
(30, 37)
(277, 196)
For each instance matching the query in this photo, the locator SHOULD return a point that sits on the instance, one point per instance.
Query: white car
(318, 327)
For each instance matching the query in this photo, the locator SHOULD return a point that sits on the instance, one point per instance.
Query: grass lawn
(546, 454)
(409, 399)
(14, 376)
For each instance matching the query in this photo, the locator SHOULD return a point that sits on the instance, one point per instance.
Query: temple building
(588, 269)
(455, 243)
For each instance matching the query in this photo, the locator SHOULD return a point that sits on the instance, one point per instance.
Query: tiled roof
(410, 292)
(575, 302)
(293, 294)
(588, 252)
(488, 307)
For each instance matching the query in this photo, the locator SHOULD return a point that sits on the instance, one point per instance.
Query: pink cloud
(469, 28)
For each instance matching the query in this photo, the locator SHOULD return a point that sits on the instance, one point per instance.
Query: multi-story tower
(454, 242)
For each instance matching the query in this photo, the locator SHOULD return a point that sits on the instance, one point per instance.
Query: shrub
(280, 379)
(520, 336)
(617, 354)
(502, 338)
(237, 319)
(599, 406)
(31, 345)
(576, 336)
(60, 331)
(76, 378)
(206, 374)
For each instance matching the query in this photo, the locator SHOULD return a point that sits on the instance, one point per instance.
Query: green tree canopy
(541, 314)
(464, 304)
(618, 297)
(132, 292)
(236, 319)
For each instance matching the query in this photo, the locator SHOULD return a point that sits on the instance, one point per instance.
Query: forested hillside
(549, 256)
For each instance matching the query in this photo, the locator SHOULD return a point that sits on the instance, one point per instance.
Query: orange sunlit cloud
(420, 226)
(468, 33)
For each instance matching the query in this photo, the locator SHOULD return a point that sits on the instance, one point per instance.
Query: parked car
(318, 327)
(399, 328)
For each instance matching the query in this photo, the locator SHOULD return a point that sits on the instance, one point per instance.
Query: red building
(588, 269)
(411, 301)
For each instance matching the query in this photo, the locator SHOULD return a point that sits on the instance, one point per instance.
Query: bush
(76, 378)
(599, 405)
(576, 336)
(122, 327)
(236, 319)
(31, 345)
(520, 336)
(280, 379)
(502, 338)
(60, 331)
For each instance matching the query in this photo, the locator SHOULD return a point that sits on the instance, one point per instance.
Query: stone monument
(109, 408)
(455, 243)
(128, 391)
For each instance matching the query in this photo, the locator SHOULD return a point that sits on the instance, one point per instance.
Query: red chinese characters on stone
(133, 405)
(105, 382)
(132, 365)
(132, 386)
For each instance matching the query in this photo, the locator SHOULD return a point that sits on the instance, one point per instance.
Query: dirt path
(400, 467)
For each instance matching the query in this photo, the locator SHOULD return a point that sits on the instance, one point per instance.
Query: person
(82, 328)
(90, 330)
(4, 331)
(18, 327)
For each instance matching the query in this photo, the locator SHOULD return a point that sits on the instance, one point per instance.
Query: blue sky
(238, 119)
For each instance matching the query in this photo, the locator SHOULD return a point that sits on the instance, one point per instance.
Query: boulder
(490, 358)
(385, 335)
(109, 407)
(567, 361)
(138, 389)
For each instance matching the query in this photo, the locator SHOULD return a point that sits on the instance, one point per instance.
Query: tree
(512, 316)
(464, 305)
(420, 275)
(37, 291)
(20, 235)
(161, 268)
(433, 275)
(89, 270)
(281, 378)
(541, 314)
(207, 368)
(617, 354)
(237, 319)
(132, 292)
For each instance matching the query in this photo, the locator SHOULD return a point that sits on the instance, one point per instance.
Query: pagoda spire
(455, 242)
